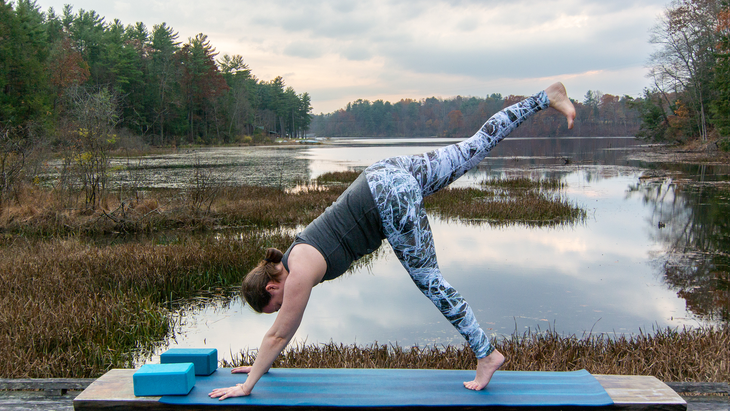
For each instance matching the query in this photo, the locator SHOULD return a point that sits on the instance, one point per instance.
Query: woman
(386, 201)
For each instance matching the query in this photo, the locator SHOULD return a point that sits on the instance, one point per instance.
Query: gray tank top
(347, 230)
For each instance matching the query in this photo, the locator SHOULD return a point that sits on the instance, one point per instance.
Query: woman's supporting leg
(406, 226)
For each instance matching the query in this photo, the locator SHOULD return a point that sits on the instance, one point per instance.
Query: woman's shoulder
(304, 259)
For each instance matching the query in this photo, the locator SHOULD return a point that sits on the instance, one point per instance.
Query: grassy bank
(42, 213)
(700, 355)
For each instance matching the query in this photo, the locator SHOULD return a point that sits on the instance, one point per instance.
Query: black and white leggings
(399, 184)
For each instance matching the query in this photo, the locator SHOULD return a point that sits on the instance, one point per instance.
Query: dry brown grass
(270, 207)
(45, 213)
(508, 201)
(70, 309)
(699, 355)
(42, 213)
(342, 177)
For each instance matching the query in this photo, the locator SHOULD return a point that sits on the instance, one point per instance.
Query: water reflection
(288, 165)
(691, 223)
(619, 272)
(263, 166)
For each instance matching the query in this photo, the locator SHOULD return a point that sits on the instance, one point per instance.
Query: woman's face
(277, 297)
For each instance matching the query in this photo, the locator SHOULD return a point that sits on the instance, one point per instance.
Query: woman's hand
(241, 370)
(238, 390)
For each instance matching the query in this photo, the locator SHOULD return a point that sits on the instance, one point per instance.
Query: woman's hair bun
(273, 255)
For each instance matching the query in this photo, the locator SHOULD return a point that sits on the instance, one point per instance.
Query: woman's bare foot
(485, 369)
(559, 100)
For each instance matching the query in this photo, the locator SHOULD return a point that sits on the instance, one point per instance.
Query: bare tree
(16, 144)
(95, 116)
(686, 40)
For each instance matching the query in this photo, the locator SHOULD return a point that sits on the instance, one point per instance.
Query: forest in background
(598, 115)
(55, 69)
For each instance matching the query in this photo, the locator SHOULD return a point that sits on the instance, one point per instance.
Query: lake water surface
(646, 257)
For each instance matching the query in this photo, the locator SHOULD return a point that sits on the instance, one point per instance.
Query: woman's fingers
(223, 393)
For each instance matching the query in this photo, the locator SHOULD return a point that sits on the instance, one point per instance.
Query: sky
(341, 51)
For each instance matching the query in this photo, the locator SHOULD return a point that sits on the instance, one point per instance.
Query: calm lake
(652, 252)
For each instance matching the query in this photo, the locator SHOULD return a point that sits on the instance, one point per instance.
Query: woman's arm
(297, 289)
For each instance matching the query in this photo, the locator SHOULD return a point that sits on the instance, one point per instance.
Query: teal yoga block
(205, 359)
(164, 379)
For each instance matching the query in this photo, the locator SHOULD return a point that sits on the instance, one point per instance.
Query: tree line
(690, 71)
(599, 114)
(162, 89)
(76, 87)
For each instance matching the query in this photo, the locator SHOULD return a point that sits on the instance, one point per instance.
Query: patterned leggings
(399, 184)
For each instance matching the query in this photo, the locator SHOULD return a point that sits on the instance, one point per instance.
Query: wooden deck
(114, 390)
(59, 394)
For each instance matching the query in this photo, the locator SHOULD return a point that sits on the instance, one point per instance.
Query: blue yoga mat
(399, 388)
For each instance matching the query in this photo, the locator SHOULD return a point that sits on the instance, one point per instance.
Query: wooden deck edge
(29, 384)
(700, 387)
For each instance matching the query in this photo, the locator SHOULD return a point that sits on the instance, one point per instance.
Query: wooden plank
(45, 383)
(640, 392)
(700, 387)
(114, 390)
(35, 401)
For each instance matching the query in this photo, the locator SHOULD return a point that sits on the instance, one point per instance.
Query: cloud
(303, 49)
(414, 48)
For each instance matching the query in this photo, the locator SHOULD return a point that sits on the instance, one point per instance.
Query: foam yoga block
(164, 379)
(204, 359)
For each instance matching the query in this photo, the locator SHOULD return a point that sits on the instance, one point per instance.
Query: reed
(699, 355)
(525, 183)
(74, 309)
(270, 207)
(508, 201)
(45, 213)
(42, 214)
(342, 177)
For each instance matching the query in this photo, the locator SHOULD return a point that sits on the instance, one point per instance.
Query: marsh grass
(46, 213)
(73, 309)
(525, 183)
(508, 201)
(699, 355)
(342, 177)
(42, 214)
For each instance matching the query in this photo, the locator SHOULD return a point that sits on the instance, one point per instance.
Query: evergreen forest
(56, 69)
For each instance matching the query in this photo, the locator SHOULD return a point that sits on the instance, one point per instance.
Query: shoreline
(694, 152)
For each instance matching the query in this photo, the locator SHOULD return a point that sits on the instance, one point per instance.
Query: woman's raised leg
(437, 169)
